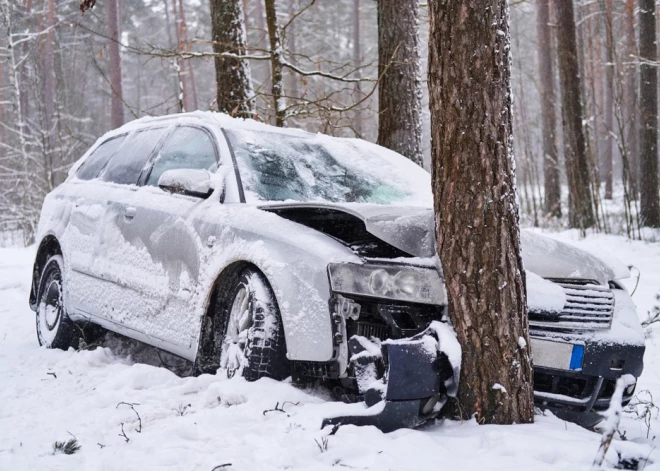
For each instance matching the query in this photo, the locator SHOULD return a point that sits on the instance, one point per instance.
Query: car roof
(205, 118)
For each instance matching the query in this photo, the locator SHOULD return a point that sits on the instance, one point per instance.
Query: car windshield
(309, 167)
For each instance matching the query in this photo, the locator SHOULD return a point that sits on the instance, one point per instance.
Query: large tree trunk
(580, 204)
(117, 100)
(648, 107)
(276, 64)
(400, 87)
(476, 208)
(548, 113)
(632, 143)
(608, 110)
(232, 75)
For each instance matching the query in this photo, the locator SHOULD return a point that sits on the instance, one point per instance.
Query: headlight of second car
(404, 283)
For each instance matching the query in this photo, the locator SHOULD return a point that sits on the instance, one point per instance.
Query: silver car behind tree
(234, 244)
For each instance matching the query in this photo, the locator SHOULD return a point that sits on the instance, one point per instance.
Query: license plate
(558, 355)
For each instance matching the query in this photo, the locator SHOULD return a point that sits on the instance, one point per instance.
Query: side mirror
(187, 181)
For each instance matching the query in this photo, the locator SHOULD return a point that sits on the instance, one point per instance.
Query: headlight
(418, 285)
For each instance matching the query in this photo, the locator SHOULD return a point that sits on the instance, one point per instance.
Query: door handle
(129, 213)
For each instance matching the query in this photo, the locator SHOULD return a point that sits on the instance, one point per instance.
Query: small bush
(68, 448)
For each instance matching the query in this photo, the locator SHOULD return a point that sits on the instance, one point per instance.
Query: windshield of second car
(319, 168)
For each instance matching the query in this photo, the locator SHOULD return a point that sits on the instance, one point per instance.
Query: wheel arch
(48, 247)
(208, 355)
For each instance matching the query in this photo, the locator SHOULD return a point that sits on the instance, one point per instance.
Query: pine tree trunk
(233, 79)
(632, 143)
(117, 100)
(276, 61)
(608, 110)
(476, 208)
(548, 113)
(648, 107)
(580, 202)
(400, 87)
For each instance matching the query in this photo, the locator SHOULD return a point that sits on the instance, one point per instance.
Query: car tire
(253, 340)
(54, 328)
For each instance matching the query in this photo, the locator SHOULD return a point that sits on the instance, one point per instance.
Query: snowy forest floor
(201, 423)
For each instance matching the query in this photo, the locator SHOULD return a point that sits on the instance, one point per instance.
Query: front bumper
(580, 394)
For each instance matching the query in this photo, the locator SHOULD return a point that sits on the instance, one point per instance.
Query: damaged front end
(399, 358)
(403, 382)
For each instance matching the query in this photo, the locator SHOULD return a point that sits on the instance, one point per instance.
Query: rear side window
(99, 158)
(186, 147)
(128, 162)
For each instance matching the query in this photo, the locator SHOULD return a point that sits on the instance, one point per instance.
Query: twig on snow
(279, 408)
(132, 406)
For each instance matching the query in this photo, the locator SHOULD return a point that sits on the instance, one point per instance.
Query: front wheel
(54, 328)
(253, 339)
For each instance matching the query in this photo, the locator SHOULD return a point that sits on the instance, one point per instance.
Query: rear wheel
(253, 340)
(54, 328)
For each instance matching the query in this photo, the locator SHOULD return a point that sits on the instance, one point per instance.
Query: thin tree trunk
(580, 203)
(608, 110)
(648, 107)
(548, 113)
(357, 62)
(400, 87)
(276, 61)
(476, 208)
(233, 79)
(117, 101)
(631, 101)
(292, 47)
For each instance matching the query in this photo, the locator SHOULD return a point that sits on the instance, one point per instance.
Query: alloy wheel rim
(52, 305)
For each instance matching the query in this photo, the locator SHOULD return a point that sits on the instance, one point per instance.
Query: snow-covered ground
(206, 422)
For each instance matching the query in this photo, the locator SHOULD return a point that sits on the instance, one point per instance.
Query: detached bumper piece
(404, 384)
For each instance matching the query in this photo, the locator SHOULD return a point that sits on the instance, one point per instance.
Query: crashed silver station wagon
(277, 252)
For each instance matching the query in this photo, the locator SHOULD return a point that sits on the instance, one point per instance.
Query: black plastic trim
(239, 182)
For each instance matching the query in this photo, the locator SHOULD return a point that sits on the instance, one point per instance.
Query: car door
(82, 236)
(163, 225)
(121, 259)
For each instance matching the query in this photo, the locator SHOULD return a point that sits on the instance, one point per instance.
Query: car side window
(99, 158)
(186, 147)
(126, 165)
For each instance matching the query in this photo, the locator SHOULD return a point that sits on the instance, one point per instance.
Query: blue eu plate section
(576, 357)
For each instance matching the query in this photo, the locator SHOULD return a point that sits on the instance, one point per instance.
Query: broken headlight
(402, 283)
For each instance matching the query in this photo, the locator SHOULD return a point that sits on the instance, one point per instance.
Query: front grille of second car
(589, 306)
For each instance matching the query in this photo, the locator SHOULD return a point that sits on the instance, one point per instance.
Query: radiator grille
(589, 306)
(369, 330)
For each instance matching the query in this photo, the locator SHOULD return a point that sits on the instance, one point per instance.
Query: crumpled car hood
(411, 229)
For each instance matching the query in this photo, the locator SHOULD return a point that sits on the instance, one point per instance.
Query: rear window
(126, 165)
(99, 158)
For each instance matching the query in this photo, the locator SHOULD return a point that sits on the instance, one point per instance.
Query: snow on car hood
(411, 229)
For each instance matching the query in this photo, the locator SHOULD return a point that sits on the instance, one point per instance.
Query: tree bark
(552, 191)
(648, 107)
(233, 78)
(400, 87)
(632, 146)
(476, 208)
(276, 63)
(117, 100)
(608, 110)
(580, 202)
